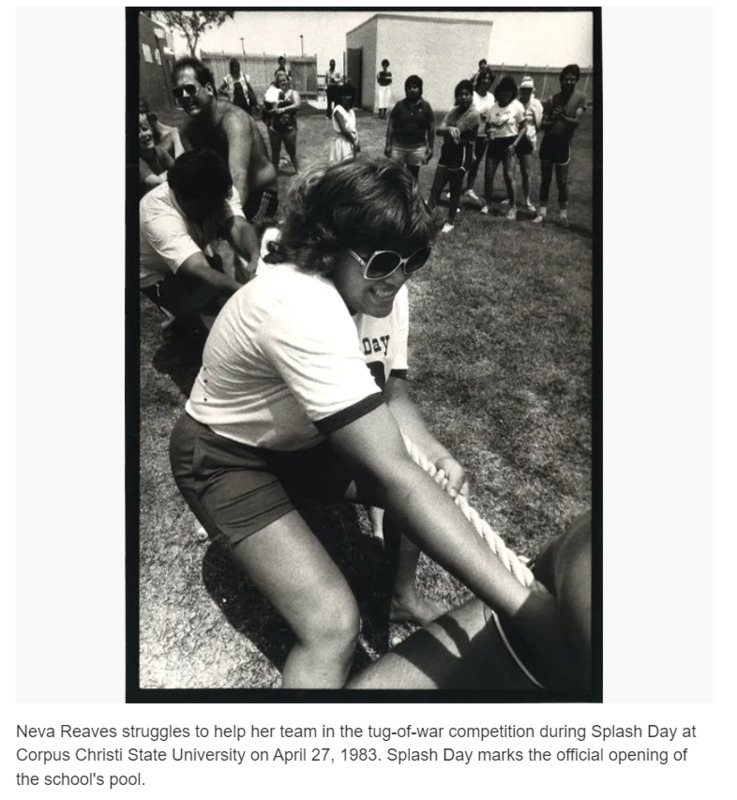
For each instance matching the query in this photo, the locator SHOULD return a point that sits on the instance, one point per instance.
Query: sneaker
(505, 204)
(511, 214)
(539, 218)
(470, 193)
(530, 207)
(563, 220)
(447, 228)
(484, 210)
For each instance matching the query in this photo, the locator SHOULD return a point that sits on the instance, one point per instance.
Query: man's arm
(242, 236)
(430, 130)
(572, 122)
(252, 99)
(147, 176)
(240, 142)
(196, 267)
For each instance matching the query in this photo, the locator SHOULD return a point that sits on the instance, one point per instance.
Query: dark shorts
(456, 156)
(555, 149)
(524, 148)
(261, 204)
(498, 148)
(235, 490)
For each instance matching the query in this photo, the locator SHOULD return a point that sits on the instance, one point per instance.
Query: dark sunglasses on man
(188, 88)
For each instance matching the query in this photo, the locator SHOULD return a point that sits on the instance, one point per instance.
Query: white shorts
(383, 96)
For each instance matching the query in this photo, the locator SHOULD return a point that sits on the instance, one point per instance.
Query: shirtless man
(219, 125)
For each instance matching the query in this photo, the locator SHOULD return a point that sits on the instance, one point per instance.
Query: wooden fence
(546, 79)
(261, 68)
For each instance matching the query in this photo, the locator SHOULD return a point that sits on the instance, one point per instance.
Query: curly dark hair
(460, 86)
(361, 204)
(485, 73)
(573, 69)
(507, 84)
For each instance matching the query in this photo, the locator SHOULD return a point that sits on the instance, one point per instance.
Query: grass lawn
(500, 365)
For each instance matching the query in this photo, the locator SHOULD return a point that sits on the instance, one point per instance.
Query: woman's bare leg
(291, 569)
(290, 144)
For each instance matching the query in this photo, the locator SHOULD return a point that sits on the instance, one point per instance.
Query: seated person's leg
(460, 650)
(464, 648)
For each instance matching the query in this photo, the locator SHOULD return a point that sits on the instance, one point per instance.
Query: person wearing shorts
(471, 649)
(282, 127)
(561, 116)
(180, 220)
(458, 132)
(333, 80)
(483, 101)
(410, 132)
(527, 144)
(346, 142)
(384, 92)
(287, 403)
(506, 127)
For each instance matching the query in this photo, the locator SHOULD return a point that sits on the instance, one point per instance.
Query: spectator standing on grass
(165, 136)
(483, 67)
(282, 116)
(346, 142)
(237, 88)
(384, 92)
(333, 79)
(216, 124)
(507, 127)
(410, 132)
(528, 143)
(286, 406)
(458, 131)
(483, 101)
(153, 162)
(561, 116)
(282, 66)
(179, 221)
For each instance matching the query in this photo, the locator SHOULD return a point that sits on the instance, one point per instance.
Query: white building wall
(365, 37)
(441, 52)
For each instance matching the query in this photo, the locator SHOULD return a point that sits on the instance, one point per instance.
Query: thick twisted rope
(510, 561)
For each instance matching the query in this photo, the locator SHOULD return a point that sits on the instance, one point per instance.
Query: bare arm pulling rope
(510, 561)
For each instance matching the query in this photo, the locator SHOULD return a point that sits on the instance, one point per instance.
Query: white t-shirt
(483, 105)
(168, 238)
(285, 362)
(506, 121)
(533, 115)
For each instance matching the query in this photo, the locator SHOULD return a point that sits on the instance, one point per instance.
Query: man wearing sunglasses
(217, 124)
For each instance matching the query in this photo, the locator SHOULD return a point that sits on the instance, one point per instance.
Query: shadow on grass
(362, 561)
(180, 357)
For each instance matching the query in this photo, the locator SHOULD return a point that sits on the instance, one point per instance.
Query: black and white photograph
(363, 316)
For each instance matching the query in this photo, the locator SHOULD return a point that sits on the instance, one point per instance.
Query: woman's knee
(334, 622)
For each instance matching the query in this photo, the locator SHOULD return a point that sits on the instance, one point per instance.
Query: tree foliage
(192, 24)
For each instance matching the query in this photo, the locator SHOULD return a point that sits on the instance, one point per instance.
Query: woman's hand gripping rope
(447, 480)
